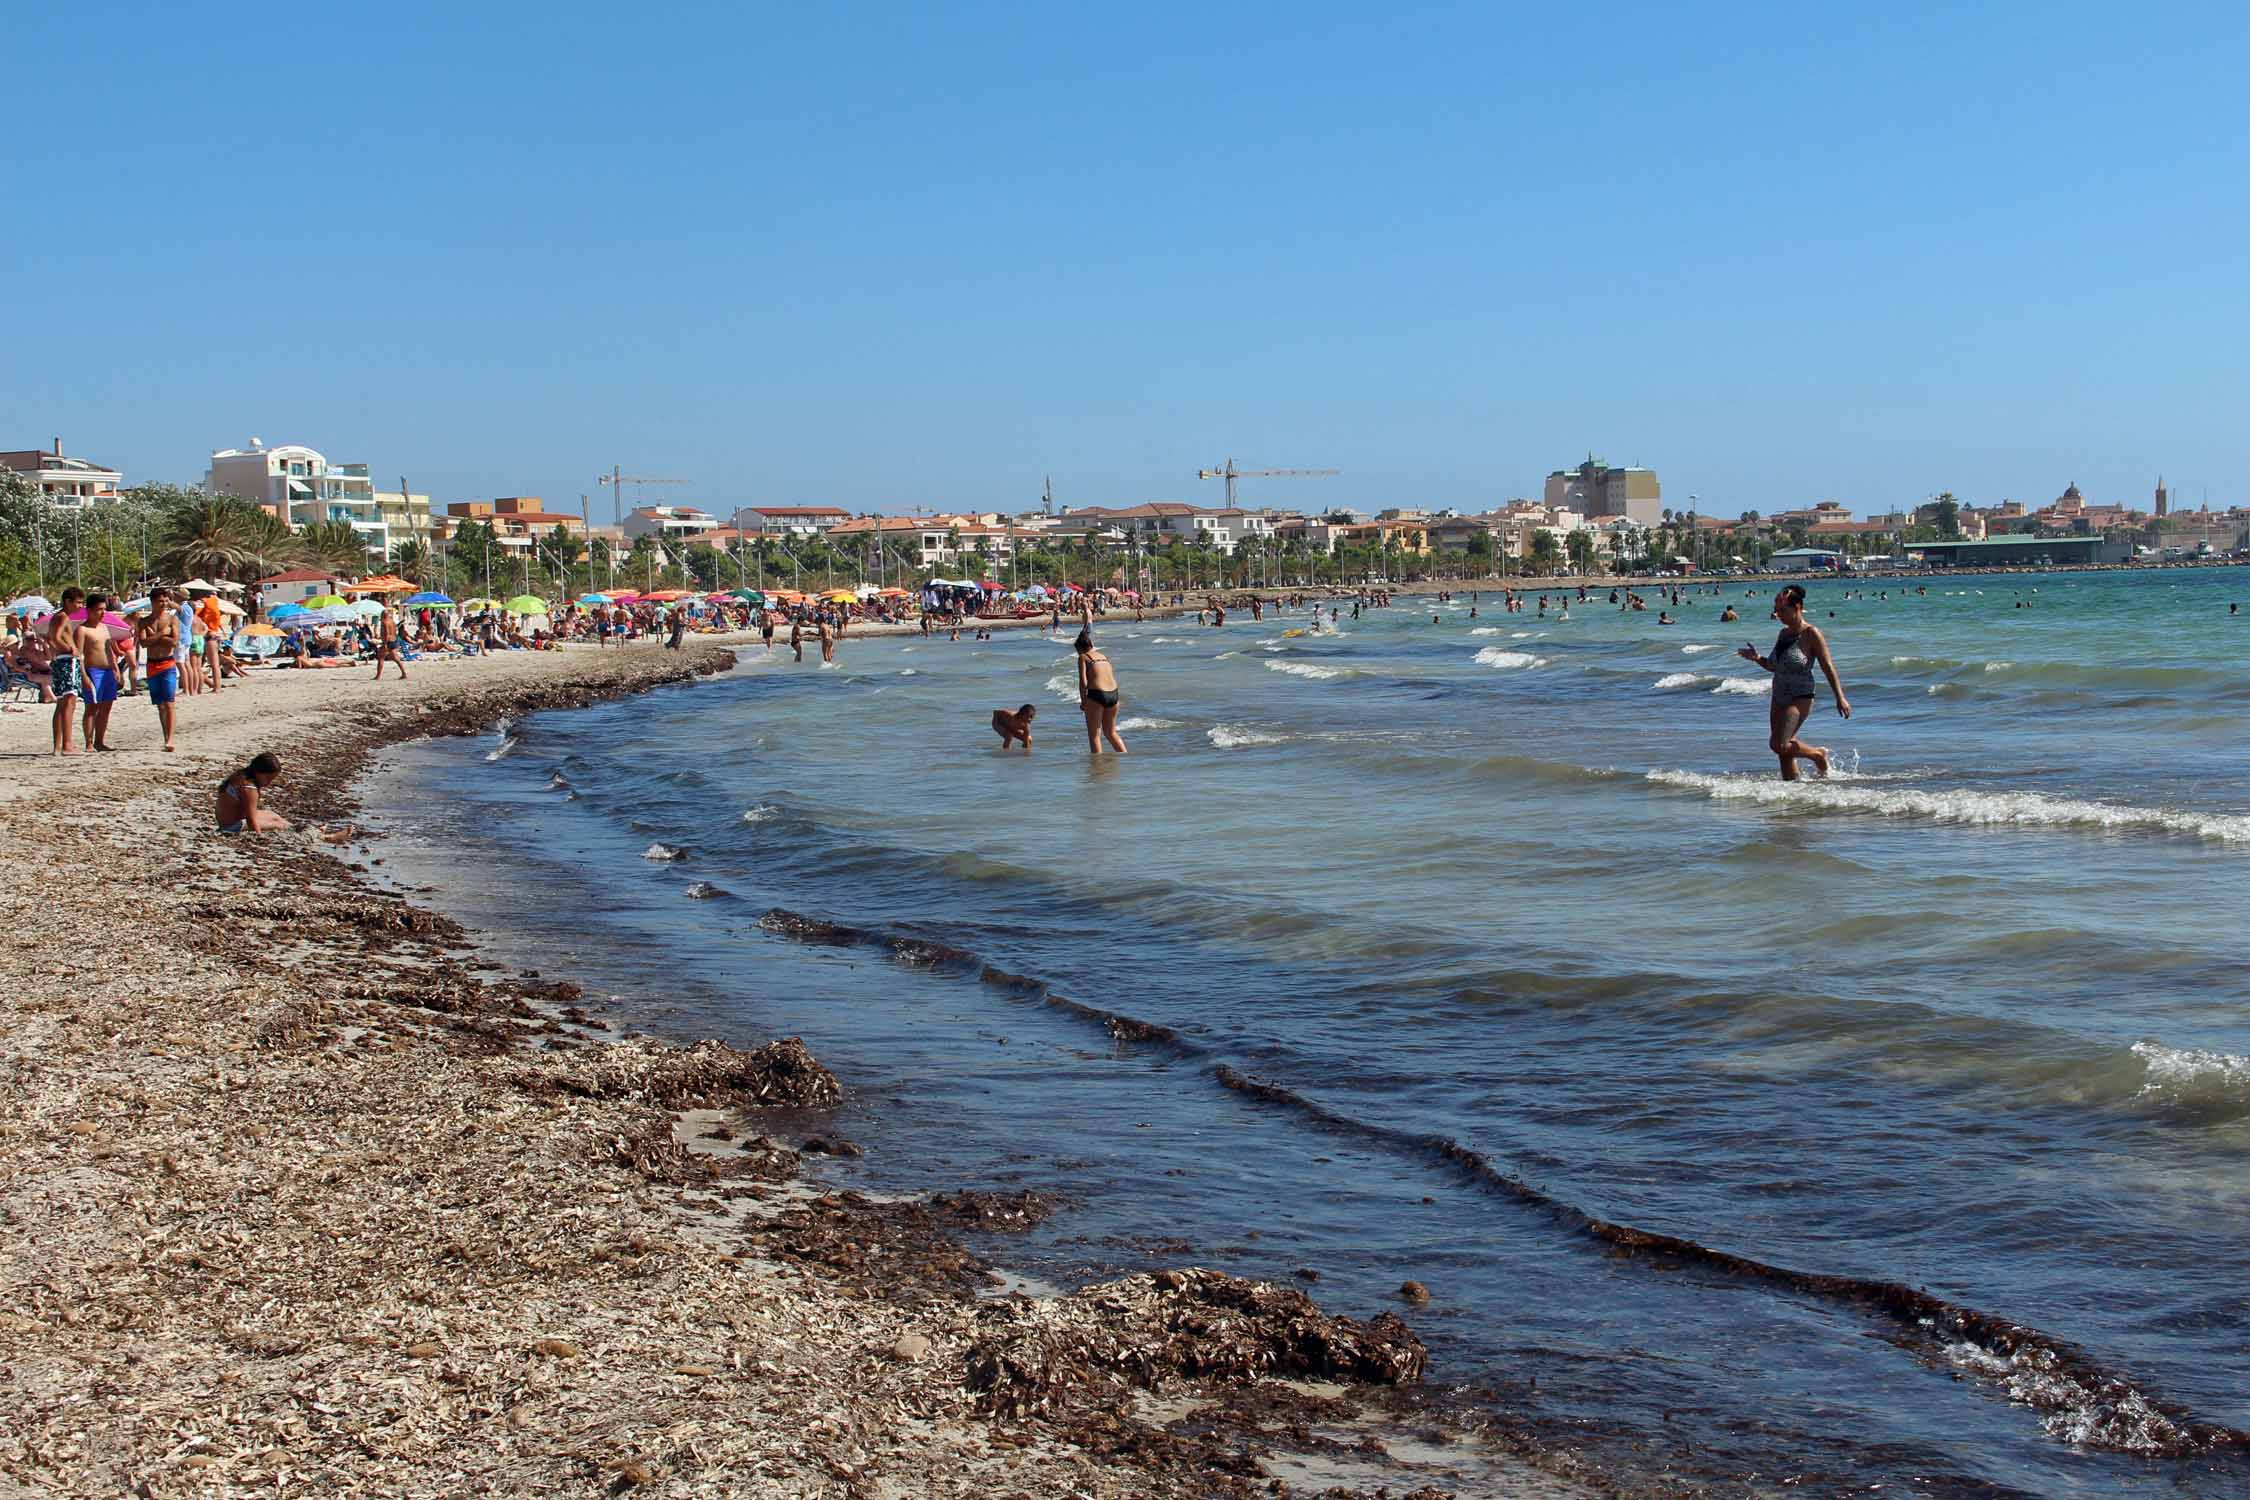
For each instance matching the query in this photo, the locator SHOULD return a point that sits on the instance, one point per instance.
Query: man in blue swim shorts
(98, 663)
(158, 634)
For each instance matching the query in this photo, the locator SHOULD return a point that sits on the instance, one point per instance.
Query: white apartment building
(299, 485)
(63, 482)
(788, 520)
(668, 523)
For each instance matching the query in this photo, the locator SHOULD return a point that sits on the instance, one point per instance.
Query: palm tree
(332, 547)
(221, 535)
(413, 561)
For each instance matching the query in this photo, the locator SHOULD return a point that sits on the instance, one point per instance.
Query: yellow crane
(1230, 474)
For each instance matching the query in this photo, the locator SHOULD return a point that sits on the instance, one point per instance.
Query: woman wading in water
(1795, 651)
(1097, 694)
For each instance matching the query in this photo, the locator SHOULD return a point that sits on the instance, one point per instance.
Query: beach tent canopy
(385, 583)
(526, 604)
(430, 596)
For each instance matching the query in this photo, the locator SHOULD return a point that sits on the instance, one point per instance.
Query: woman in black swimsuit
(1097, 694)
(1796, 651)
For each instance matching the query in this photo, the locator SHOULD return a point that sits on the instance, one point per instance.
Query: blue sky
(885, 257)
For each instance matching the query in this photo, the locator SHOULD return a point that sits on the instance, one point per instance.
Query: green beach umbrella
(526, 604)
(325, 601)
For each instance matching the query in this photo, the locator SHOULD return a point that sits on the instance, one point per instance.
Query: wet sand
(303, 1196)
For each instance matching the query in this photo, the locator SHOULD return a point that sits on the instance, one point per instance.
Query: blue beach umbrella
(595, 599)
(429, 596)
(286, 611)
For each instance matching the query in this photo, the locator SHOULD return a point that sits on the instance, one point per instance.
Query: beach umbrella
(226, 607)
(595, 599)
(386, 583)
(32, 604)
(526, 604)
(429, 596)
(358, 609)
(480, 603)
(841, 596)
(285, 611)
(323, 601)
(260, 628)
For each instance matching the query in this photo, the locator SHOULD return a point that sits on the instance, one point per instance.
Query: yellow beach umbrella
(324, 601)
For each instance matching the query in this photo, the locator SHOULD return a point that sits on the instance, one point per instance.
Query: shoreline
(305, 1194)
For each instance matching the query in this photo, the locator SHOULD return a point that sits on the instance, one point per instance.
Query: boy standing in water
(1795, 651)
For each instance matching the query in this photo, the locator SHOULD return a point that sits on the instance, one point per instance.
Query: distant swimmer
(1014, 727)
(1097, 695)
(1664, 617)
(1727, 616)
(1795, 651)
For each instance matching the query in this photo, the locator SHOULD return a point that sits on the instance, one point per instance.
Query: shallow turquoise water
(1968, 1017)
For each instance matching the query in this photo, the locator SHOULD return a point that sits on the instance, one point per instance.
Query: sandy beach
(305, 1197)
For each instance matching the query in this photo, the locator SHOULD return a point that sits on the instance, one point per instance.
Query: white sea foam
(1168, 640)
(1307, 669)
(703, 890)
(1485, 630)
(663, 853)
(1743, 685)
(1998, 666)
(1692, 648)
(2173, 1070)
(2115, 1417)
(1063, 687)
(1680, 679)
(1238, 736)
(1138, 722)
(906, 672)
(1519, 635)
(1993, 809)
(501, 749)
(1494, 656)
(760, 813)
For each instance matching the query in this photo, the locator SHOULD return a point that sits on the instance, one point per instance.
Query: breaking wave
(1494, 656)
(1961, 806)
(1239, 736)
(1308, 669)
(1746, 686)
(1680, 680)
(1142, 722)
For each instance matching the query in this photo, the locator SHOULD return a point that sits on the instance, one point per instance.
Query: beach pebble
(1414, 1292)
(423, 1350)
(909, 1348)
(695, 1370)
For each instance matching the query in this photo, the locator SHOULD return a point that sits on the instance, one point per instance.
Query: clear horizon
(884, 259)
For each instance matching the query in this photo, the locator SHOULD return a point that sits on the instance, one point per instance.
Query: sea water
(1493, 953)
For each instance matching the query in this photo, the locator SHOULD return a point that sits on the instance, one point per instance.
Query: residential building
(1595, 489)
(294, 586)
(794, 520)
(299, 485)
(404, 514)
(668, 523)
(64, 482)
(1812, 517)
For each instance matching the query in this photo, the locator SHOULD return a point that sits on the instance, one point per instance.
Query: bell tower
(2163, 497)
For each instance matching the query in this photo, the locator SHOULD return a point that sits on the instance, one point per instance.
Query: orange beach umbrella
(384, 584)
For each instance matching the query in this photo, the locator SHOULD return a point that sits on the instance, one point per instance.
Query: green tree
(1545, 551)
(1946, 512)
(1580, 545)
(219, 536)
(333, 547)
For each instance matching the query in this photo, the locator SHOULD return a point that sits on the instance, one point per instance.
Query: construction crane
(617, 479)
(1230, 474)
